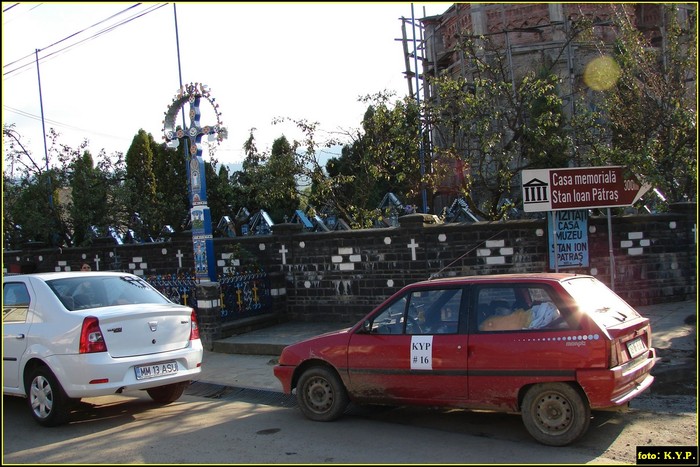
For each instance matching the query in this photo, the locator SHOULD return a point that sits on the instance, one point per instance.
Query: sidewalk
(246, 360)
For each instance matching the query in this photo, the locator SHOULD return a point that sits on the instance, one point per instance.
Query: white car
(69, 335)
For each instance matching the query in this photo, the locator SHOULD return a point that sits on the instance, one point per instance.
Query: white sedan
(69, 335)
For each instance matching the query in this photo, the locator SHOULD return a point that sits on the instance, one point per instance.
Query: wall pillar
(209, 313)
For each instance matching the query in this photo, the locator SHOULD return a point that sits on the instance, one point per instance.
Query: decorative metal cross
(202, 238)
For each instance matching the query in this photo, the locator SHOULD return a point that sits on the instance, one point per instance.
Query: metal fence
(242, 295)
(245, 295)
(180, 288)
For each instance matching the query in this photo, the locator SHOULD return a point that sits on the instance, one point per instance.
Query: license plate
(636, 347)
(156, 370)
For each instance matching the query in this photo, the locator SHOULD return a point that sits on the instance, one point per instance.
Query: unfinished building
(528, 36)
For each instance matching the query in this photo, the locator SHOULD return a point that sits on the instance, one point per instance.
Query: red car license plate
(636, 347)
(155, 370)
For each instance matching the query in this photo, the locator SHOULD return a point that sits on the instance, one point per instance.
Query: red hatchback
(550, 346)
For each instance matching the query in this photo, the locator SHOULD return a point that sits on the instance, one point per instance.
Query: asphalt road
(227, 424)
(239, 428)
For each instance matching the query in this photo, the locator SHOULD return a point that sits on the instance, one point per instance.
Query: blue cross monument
(202, 238)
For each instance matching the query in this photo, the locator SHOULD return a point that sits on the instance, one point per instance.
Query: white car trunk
(160, 328)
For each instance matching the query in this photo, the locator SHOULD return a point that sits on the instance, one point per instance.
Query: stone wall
(340, 276)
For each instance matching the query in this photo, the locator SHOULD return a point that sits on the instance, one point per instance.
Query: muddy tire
(555, 414)
(321, 395)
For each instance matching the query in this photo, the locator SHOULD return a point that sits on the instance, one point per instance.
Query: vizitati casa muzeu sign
(566, 194)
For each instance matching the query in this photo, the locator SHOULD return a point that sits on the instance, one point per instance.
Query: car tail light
(614, 361)
(194, 327)
(91, 339)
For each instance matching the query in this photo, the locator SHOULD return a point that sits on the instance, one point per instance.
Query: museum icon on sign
(536, 195)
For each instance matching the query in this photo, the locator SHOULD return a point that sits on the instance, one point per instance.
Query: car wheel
(555, 414)
(168, 393)
(46, 399)
(321, 395)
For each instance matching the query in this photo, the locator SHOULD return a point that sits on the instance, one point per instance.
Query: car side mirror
(367, 327)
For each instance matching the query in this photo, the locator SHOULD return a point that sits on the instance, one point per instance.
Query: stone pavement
(246, 360)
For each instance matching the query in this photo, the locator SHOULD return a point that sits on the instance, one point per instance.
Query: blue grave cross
(202, 237)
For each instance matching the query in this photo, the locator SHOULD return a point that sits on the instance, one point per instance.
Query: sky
(107, 70)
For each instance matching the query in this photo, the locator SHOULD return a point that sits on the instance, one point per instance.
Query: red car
(550, 346)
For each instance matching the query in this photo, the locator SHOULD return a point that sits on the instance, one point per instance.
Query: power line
(68, 37)
(60, 124)
(24, 66)
(10, 7)
(29, 63)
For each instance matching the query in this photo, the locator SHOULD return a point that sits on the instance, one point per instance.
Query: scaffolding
(415, 60)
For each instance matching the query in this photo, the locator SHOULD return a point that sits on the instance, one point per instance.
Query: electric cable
(19, 68)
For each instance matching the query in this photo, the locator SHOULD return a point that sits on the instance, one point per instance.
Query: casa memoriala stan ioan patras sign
(580, 188)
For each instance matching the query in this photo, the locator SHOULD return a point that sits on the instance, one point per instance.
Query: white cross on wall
(284, 252)
(413, 245)
(97, 263)
(179, 258)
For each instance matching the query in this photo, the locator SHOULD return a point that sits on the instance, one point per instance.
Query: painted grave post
(202, 238)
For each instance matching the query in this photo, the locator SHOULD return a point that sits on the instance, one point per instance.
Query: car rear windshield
(78, 293)
(598, 301)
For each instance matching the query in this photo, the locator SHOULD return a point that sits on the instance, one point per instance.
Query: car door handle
(18, 336)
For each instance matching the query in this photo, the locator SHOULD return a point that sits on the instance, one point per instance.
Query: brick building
(527, 36)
